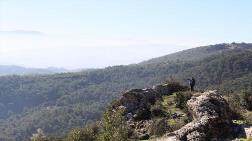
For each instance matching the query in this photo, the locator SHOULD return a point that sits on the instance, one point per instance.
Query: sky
(98, 33)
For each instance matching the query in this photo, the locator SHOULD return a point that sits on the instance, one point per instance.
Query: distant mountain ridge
(199, 53)
(18, 70)
(56, 103)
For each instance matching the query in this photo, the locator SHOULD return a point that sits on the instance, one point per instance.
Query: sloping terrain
(17, 70)
(199, 53)
(56, 103)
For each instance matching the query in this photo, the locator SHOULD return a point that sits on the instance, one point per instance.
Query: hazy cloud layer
(22, 33)
(79, 52)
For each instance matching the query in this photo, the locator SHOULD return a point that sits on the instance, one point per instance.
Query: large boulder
(137, 105)
(211, 115)
(138, 102)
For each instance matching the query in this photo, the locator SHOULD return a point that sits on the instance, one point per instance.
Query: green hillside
(57, 103)
(11, 70)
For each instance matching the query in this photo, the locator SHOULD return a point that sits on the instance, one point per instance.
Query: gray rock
(211, 115)
(137, 107)
(162, 89)
(139, 101)
(167, 89)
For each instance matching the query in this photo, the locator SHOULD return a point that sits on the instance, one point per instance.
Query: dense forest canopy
(11, 70)
(56, 103)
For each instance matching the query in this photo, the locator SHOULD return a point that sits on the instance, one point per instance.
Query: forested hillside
(11, 70)
(56, 103)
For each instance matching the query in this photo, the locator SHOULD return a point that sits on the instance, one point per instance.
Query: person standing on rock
(192, 83)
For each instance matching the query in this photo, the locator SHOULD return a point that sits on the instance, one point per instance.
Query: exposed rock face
(138, 101)
(167, 89)
(211, 115)
(162, 89)
(137, 104)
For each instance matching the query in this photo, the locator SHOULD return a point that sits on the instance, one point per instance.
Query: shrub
(158, 127)
(247, 100)
(181, 98)
(39, 138)
(175, 124)
(248, 117)
(44, 138)
(157, 110)
(235, 103)
(113, 126)
(88, 133)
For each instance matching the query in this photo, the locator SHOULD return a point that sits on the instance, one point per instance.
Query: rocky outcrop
(169, 88)
(210, 111)
(162, 89)
(137, 102)
(211, 115)
(137, 105)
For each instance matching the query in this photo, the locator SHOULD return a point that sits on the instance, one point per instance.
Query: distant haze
(33, 49)
(93, 34)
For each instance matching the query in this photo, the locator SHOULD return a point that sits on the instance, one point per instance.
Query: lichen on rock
(211, 115)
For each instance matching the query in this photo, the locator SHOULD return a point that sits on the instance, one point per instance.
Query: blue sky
(99, 33)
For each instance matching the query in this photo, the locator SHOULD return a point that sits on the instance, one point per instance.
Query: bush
(247, 100)
(39, 138)
(44, 138)
(157, 110)
(181, 98)
(88, 133)
(159, 127)
(248, 117)
(235, 103)
(114, 126)
(175, 124)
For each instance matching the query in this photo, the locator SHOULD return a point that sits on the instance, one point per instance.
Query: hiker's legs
(192, 89)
